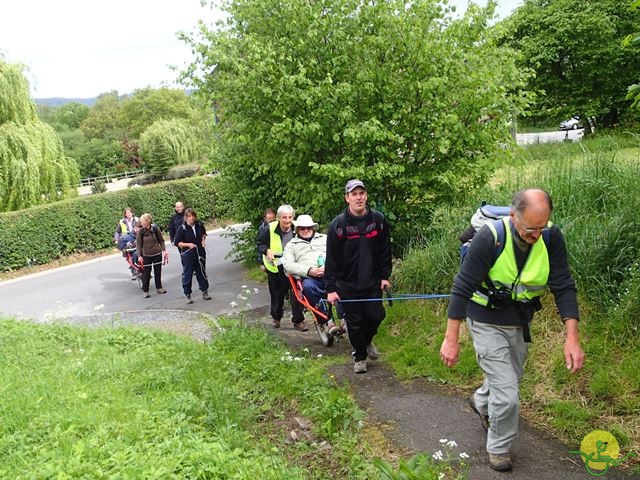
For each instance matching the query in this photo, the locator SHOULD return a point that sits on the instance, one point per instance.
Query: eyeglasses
(531, 230)
(305, 228)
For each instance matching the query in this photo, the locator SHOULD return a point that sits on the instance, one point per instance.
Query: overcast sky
(81, 48)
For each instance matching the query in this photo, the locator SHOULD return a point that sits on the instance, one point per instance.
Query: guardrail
(86, 182)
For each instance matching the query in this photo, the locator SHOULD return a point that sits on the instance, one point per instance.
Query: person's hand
(573, 355)
(450, 348)
(449, 352)
(384, 284)
(192, 246)
(269, 255)
(333, 297)
(165, 258)
(317, 272)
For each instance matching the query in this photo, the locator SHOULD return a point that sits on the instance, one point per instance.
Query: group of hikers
(505, 270)
(145, 240)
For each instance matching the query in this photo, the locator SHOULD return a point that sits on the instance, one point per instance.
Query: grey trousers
(501, 353)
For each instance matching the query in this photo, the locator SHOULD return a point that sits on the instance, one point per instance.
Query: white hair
(282, 209)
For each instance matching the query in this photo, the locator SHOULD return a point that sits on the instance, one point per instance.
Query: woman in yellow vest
(271, 243)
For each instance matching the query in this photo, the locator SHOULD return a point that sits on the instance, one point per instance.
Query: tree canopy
(397, 93)
(575, 50)
(167, 143)
(33, 166)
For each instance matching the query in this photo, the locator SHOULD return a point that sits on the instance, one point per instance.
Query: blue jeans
(192, 262)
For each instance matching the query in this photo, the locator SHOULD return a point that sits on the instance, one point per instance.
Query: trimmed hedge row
(86, 224)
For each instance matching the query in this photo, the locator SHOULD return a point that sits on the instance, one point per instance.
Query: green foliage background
(576, 50)
(310, 94)
(86, 224)
(167, 143)
(33, 166)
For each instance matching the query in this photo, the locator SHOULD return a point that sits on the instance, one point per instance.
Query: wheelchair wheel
(325, 338)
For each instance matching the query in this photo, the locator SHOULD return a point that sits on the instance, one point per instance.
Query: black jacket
(175, 222)
(358, 252)
(185, 234)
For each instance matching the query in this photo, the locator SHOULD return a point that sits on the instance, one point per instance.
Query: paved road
(104, 285)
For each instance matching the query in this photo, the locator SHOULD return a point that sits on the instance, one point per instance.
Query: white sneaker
(360, 366)
(372, 352)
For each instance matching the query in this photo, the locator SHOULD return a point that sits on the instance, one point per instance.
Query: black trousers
(363, 319)
(154, 262)
(278, 287)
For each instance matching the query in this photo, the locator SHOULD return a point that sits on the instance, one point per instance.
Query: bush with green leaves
(167, 143)
(310, 94)
(86, 224)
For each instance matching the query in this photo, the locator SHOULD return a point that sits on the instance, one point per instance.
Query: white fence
(549, 137)
(87, 182)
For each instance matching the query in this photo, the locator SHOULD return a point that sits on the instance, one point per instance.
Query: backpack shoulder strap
(497, 227)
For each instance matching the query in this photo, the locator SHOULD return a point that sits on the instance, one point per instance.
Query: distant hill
(58, 101)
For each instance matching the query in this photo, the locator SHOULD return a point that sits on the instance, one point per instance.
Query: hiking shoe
(372, 352)
(145, 294)
(300, 326)
(500, 462)
(484, 419)
(206, 296)
(189, 300)
(161, 290)
(332, 328)
(360, 366)
(276, 323)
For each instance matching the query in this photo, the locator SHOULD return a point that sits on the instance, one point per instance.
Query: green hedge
(86, 224)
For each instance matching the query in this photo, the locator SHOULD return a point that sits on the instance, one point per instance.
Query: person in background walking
(498, 299)
(190, 240)
(358, 266)
(271, 244)
(268, 217)
(125, 225)
(176, 221)
(150, 246)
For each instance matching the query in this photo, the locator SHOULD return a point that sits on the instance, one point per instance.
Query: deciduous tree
(33, 166)
(167, 143)
(574, 48)
(397, 93)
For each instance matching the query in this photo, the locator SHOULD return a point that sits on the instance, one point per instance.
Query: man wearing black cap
(358, 266)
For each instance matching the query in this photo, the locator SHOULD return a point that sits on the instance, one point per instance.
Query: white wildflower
(255, 290)
(100, 306)
(443, 440)
(297, 359)
(438, 455)
(452, 443)
(242, 297)
(319, 355)
(305, 349)
(463, 455)
(243, 286)
(233, 304)
(441, 476)
(248, 305)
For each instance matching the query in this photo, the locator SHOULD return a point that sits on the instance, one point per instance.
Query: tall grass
(596, 193)
(132, 403)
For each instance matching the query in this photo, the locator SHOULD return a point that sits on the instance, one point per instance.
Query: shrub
(98, 187)
(86, 224)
